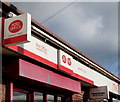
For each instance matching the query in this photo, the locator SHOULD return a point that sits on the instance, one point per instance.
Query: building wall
(2, 92)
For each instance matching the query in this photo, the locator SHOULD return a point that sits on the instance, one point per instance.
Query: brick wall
(2, 93)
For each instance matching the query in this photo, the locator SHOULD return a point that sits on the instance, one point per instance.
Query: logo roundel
(15, 26)
(69, 61)
(64, 58)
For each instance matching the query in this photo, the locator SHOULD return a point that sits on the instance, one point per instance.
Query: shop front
(28, 82)
(38, 66)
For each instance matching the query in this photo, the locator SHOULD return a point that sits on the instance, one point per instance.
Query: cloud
(40, 10)
(90, 27)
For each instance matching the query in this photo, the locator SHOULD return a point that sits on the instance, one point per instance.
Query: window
(59, 99)
(19, 97)
(38, 97)
(50, 98)
(22, 94)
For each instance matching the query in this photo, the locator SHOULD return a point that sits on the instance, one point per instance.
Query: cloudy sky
(92, 27)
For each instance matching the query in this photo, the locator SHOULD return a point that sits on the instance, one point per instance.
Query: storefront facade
(38, 66)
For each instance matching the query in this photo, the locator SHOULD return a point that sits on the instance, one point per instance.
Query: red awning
(34, 72)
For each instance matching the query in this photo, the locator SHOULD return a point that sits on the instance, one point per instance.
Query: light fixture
(11, 14)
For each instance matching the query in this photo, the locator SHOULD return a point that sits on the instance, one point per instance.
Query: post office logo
(15, 26)
(69, 61)
(66, 60)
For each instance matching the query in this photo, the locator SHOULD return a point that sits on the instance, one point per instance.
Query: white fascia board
(69, 49)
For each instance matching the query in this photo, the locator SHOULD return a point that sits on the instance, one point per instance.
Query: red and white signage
(89, 75)
(17, 30)
(82, 72)
(39, 51)
(65, 62)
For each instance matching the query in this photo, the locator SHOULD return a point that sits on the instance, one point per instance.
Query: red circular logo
(64, 58)
(15, 26)
(69, 61)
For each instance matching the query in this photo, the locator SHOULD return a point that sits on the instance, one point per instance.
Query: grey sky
(91, 27)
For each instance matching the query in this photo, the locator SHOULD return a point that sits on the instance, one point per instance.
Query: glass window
(50, 98)
(114, 100)
(38, 97)
(19, 97)
(59, 99)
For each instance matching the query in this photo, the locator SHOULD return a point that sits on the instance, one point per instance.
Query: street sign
(99, 93)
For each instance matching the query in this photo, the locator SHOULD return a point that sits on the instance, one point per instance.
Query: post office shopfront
(38, 66)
